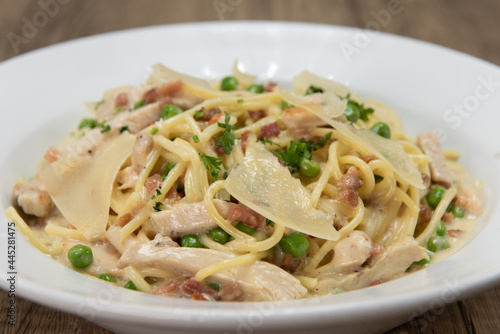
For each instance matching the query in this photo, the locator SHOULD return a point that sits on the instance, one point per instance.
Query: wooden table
(471, 27)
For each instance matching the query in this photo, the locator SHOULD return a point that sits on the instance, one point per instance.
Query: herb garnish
(298, 151)
(355, 111)
(139, 104)
(314, 89)
(212, 164)
(226, 140)
(87, 123)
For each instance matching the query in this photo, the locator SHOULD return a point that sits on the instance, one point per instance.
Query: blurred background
(466, 26)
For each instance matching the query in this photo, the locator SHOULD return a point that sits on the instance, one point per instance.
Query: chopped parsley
(226, 140)
(87, 123)
(124, 128)
(196, 139)
(355, 111)
(154, 131)
(286, 105)
(170, 165)
(314, 89)
(105, 127)
(212, 164)
(157, 206)
(240, 101)
(139, 104)
(269, 222)
(298, 152)
(198, 114)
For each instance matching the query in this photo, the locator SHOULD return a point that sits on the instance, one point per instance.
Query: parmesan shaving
(305, 79)
(243, 78)
(82, 193)
(326, 103)
(262, 184)
(161, 73)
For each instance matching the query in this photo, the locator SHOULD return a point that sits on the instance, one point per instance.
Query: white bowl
(42, 94)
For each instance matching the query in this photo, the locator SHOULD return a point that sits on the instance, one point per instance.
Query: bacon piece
(194, 288)
(150, 96)
(121, 100)
(447, 217)
(247, 216)
(208, 114)
(348, 186)
(424, 215)
(454, 233)
(53, 154)
(169, 88)
(125, 218)
(152, 183)
(172, 196)
(216, 118)
(167, 289)
(269, 87)
(270, 130)
(289, 263)
(244, 139)
(257, 114)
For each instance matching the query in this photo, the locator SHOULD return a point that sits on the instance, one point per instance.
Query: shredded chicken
(391, 264)
(351, 252)
(189, 218)
(259, 281)
(143, 146)
(430, 145)
(33, 198)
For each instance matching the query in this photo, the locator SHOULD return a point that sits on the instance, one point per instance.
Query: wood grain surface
(472, 27)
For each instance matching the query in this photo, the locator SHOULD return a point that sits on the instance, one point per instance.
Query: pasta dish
(240, 191)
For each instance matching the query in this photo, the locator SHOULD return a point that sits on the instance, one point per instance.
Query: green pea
(191, 240)
(169, 111)
(257, 89)
(295, 244)
(434, 196)
(309, 168)
(351, 113)
(457, 211)
(244, 228)
(424, 261)
(217, 234)
(441, 229)
(381, 129)
(229, 83)
(80, 256)
(108, 278)
(436, 243)
(130, 285)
